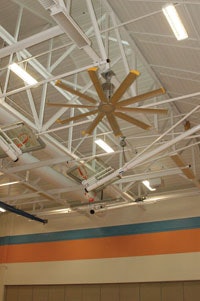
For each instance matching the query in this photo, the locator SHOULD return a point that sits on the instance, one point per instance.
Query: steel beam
(30, 41)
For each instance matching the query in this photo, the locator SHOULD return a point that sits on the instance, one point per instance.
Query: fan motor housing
(106, 108)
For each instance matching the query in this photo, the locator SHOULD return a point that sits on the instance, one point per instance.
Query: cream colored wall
(146, 269)
(117, 270)
(124, 280)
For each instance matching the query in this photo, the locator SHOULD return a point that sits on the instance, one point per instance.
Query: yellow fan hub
(106, 108)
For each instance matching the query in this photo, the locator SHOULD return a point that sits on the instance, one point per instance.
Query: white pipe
(135, 161)
(7, 148)
(150, 175)
(171, 100)
(170, 129)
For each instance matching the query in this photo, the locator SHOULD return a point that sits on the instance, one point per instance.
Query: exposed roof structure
(49, 151)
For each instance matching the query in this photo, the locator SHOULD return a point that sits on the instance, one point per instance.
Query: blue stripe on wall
(142, 228)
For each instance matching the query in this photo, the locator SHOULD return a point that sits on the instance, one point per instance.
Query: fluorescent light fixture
(2, 209)
(27, 78)
(175, 22)
(104, 146)
(69, 26)
(9, 183)
(147, 184)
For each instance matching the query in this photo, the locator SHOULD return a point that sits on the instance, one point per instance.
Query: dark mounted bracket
(22, 213)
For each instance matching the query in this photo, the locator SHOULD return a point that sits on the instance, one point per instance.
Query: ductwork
(49, 174)
(60, 14)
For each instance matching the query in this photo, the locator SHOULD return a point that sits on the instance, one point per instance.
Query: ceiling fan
(110, 105)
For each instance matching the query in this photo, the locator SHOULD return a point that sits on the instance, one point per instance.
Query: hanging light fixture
(9, 183)
(175, 22)
(104, 146)
(147, 184)
(25, 76)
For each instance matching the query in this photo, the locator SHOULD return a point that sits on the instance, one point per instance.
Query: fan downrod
(122, 141)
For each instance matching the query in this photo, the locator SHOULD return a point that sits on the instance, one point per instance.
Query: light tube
(104, 146)
(22, 74)
(175, 22)
(147, 184)
(9, 183)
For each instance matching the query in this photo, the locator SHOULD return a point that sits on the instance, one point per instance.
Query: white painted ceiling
(132, 35)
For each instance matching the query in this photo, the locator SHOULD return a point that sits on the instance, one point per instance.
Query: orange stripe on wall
(182, 241)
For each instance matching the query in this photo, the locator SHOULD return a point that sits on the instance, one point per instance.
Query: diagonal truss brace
(140, 159)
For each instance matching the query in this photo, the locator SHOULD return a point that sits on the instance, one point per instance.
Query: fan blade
(132, 120)
(77, 117)
(63, 86)
(142, 110)
(124, 85)
(113, 124)
(94, 123)
(94, 78)
(71, 105)
(141, 97)
(185, 169)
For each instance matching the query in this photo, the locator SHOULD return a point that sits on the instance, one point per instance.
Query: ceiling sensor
(122, 141)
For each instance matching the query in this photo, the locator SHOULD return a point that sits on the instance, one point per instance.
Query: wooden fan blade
(124, 85)
(142, 110)
(77, 117)
(185, 169)
(132, 120)
(63, 86)
(94, 123)
(113, 124)
(94, 78)
(141, 97)
(69, 105)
